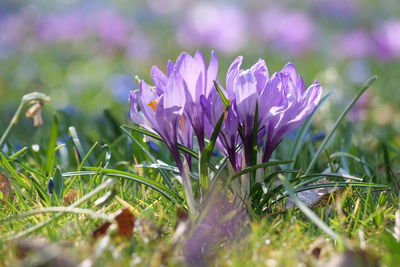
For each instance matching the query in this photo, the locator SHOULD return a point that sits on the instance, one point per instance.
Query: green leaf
(58, 182)
(224, 100)
(20, 153)
(77, 143)
(51, 149)
(207, 153)
(165, 191)
(253, 160)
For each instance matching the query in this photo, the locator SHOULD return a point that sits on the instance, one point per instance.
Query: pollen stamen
(153, 105)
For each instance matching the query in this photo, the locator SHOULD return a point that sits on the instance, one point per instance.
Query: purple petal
(149, 101)
(134, 112)
(170, 67)
(246, 95)
(159, 79)
(260, 71)
(291, 70)
(212, 72)
(233, 71)
(190, 69)
(174, 96)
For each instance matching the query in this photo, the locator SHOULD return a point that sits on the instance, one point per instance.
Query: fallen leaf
(5, 187)
(101, 230)
(125, 221)
(70, 196)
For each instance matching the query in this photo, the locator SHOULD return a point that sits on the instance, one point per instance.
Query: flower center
(182, 122)
(153, 105)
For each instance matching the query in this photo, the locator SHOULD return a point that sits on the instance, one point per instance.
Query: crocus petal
(233, 71)
(170, 67)
(246, 96)
(212, 72)
(159, 79)
(190, 70)
(291, 70)
(260, 71)
(174, 96)
(149, 101)
(134, 112)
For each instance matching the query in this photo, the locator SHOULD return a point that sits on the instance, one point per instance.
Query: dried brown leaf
(125, 221)
(70, 196)
(101, 230)
(5, 187)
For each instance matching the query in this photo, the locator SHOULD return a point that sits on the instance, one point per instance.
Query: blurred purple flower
(360, 108)
(355, 44)
(71, 26)
(221, 222)
(12, 28)
(337, 9)
(219, 27)
(388, 40)
(289, 31)
(111, 28)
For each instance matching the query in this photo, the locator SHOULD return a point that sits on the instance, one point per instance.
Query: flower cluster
(261, 109)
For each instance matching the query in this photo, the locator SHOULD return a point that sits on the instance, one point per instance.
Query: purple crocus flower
(295, 105)
(244, 89)
(228, 138)
(198, 81)
(282, 100)
(354, 44)
(161, 110)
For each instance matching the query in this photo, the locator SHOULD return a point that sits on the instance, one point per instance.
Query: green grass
(118, 170)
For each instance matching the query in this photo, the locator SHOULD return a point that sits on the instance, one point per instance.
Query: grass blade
(365, 86)
(303, 130)
(207, 153)
(51, 149)
(165, 191)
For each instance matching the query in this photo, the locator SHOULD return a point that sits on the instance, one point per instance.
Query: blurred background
(85, 54)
